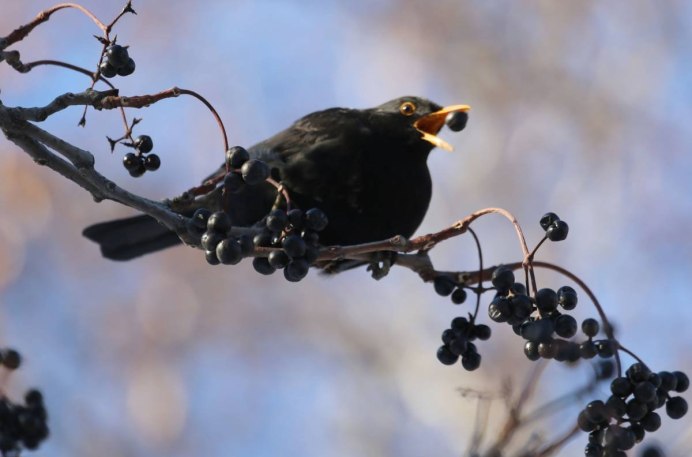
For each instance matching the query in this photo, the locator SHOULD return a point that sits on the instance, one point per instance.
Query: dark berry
(547, 220)
(645, 392)
(499, 309)
(254, 172)
(651, 422)
(278, 259)
(294, 246)
(144, 144)
(605, 348)
(636, 410)
(315, 219)
(311, 238)
(446, 356)
(471, 361)
(296, 270)
(590, 327)
(546, 300)
(531, 350)
(127, 69)
(638, 372)
(522, 307)
(236, 157)
(460, 324)
(117, 55)
(457, 121)
(33, 398)
(210, 240)
(107, 70)
(621, 387)
(502, 278)
(448, 335)
(132, 161)
(616, 407)
(152, 162)
(444, 285)
(200, 217)
(211, 257)
(458, 346)
(676, 407)
(262, 266)
(588, 350)
(566, 326)
(219, 222)
(683, 382)
(233, 182)
(277, 220)
(482, 332)
(228, 251)
(557, 231)
(295, 218)
(538, 330)
(567, 298)
(546, 349)
(596, 412)
(459, 296)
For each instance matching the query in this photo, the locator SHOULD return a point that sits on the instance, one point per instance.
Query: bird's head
(417, 119)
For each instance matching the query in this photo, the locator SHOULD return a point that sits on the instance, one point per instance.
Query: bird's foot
(380, 263)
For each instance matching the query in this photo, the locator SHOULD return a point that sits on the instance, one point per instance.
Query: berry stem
(213, 112)
(480, 270)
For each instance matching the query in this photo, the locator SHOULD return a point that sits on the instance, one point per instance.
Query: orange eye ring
(407, 108)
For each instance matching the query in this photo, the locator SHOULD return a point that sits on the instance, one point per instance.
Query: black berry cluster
(446, 286)
(541, 321)
(458, 343)
(214, 230)
(243, 170)
(116, 61)
(142, 161)
(22, 426)
(296, 234)
(620, 422)
(555, 229)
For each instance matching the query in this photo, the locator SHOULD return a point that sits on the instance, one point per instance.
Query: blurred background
(582, 108)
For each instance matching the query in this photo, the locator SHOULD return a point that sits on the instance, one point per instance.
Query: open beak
(430, 125)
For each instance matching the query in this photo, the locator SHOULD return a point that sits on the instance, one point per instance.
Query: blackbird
(365, 169)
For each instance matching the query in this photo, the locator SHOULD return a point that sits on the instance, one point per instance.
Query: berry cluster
(446, 286)
(22, 425)
(214, 230)
(296, 233)
(555, 229)
(458, 342)
(116, 61)
(243, 170)
(539, 320)
(634, 400)
(137, 164)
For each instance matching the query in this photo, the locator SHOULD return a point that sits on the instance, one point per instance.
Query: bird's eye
(407, 108)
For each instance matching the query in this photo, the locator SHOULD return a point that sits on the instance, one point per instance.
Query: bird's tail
(125, 239)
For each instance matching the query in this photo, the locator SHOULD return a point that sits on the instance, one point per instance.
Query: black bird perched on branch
(365, 169)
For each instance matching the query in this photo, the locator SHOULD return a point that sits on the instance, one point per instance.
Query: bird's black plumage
(366, 169)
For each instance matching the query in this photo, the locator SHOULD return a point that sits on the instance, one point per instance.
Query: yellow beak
(430, 125)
